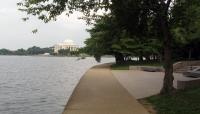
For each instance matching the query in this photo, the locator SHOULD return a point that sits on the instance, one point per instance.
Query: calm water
(39, 85)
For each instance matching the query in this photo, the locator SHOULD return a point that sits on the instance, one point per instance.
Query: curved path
(99, 92)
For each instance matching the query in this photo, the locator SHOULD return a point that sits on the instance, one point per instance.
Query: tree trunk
(160, 56)
(141, 58)
(168, 65)
(190, 54)
(148, 58)
(155, 57)
(119, 58)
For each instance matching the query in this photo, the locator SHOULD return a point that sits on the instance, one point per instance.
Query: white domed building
(67, 44)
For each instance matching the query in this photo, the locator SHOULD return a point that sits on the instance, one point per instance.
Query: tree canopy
(30, 51)
(131, 27)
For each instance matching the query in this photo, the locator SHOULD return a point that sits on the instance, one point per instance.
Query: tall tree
(186, 26)
(132, 15)
(104, 34)
(145, 10)
(162, 12)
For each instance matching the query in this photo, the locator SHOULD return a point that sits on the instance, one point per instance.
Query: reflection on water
(39, 85)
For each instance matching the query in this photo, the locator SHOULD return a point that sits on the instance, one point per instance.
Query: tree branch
(168, 3)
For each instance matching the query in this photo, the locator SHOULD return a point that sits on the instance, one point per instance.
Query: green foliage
(48, 10)
(120, 67)
(21, 52)
(141, 28)
(67, 52)
(112, 33)
(30, 51)
(125, 66)
(186, 29)
(108, 38)
(97, 57)
(5, 52)
(35, 50)
(64, 52)
(184, 102)
(82, 50)
(74, 53)
(139, 18)
(103, 35)
(186, 19)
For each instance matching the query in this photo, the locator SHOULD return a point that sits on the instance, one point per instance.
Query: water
(39, 85)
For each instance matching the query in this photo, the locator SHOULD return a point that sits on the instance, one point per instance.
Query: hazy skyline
(14, 33)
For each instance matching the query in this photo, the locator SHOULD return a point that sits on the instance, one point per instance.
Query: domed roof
(69, 42)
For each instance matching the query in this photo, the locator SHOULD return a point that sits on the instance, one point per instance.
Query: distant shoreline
(51, 56)
(39, 56)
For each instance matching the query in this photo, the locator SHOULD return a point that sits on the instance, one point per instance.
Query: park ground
(105, 91)
(182, 102)
(145, 87)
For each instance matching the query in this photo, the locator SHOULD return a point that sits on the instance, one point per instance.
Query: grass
(120, 67)
(125, 66)
(183, 102)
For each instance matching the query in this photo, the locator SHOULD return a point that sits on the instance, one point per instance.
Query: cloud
(17, 34)
(7, 10)
(3, 10)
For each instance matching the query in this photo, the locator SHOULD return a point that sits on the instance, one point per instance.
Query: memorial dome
(69, 42)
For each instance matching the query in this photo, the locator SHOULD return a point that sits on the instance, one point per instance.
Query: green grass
(183, 102)
(120, 67)
(125, 66)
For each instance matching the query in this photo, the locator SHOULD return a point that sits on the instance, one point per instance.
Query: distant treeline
(30, 51)
(38, 51)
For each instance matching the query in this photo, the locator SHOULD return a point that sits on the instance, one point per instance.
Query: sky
(15, 33)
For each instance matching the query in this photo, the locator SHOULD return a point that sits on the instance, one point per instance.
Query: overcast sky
(14, 33)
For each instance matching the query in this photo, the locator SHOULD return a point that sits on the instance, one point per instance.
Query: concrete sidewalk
(141, 84)
(99, 92)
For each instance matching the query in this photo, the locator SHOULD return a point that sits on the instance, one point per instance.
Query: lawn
(125, 66)
(120, 67)
(183, 102)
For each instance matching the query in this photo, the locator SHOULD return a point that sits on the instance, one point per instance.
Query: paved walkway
(99, 92)
(143, 84)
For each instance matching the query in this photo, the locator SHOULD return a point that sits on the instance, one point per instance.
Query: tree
(30, 51)
(104, 34)
(135, 16)
(137, 13)
(35, 50)
(186, 26)
(162, 11)
(20, 52)
(64, 52)
(48, 50)
(5, 52)
(74, 53)
(134, 47)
